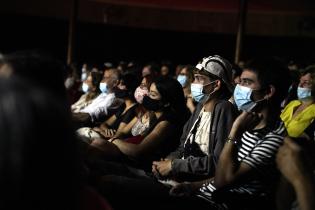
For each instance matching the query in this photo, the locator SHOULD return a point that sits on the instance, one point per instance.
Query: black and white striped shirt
(258, 149)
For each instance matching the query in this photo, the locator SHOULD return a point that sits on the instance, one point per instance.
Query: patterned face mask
(140, 92)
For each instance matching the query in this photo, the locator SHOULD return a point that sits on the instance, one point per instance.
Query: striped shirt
(258, 149)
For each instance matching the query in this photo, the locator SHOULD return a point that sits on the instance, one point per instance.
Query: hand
(97, 129)
(108, 133)
(291, 161)
(184, 189)
(245, 121)
(162, 168)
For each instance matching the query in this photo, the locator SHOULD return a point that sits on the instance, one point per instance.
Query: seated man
(246, 174)
(203, 136)
(100, 106)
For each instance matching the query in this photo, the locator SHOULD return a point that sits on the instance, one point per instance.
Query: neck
(264, 119)
(209, 105)
(129, 102)
(158, 114)
(307, 102)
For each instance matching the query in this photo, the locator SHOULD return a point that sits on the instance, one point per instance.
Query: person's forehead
(108, 73)
(247, 74)
(201, 76)
(183, 71)
(306, 77)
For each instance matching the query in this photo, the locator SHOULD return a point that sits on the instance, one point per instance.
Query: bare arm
(148, 144)
(125, 129)
(229, 169)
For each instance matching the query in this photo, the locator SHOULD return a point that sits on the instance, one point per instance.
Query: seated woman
(135, 130)
(298, 116)
(91, 90)
(166, 104)
(124, 114)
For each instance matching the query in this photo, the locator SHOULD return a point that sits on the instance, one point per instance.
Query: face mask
(197, 91)
(84, 76)
(103, 87)
(182, 79)
(152, 104)
(303, 93)
(85, 87)
(140, 93)
(242, 98)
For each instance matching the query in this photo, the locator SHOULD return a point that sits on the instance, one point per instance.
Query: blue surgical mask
(85, 87)
(84, 76)
(303, 93)
(103, 87)
(196, 91)
(182, 79)
(242, 96)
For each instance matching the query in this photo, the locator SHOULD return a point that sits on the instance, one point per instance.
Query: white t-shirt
(203, 132)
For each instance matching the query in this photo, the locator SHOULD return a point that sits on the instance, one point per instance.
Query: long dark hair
(172, 94)
(38, 153)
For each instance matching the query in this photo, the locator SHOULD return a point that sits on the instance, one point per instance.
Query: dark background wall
(113, 32)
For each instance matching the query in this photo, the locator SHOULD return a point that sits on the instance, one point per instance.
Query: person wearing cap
(246, 176)
(205, 132)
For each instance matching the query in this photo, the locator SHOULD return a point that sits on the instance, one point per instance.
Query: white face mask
(304, 93)
(85, 87)
(103, 87)
(84, 76)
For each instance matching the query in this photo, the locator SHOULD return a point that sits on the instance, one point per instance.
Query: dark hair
(310, 70)
(38, 157)
(39, 68)
(172, 93)
(131, 81)
(271, 71)
(96, 78)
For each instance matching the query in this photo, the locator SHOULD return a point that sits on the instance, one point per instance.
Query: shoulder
(224, 106)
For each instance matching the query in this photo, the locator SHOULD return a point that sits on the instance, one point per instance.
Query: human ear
(270, 92)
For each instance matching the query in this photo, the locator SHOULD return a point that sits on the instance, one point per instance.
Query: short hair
(271, 71)
(310, 70)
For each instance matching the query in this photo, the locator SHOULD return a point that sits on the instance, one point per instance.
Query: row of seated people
(228, 160)
(227, 153)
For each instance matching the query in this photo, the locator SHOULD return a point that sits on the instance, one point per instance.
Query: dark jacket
(195, 167)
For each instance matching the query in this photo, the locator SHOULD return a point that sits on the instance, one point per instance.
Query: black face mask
(152, 104)
(119, 93)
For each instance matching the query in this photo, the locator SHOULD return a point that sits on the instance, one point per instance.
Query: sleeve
(102, 109)
(263, 155)
(129, 115)
(178, 153)
(226, 114)
(205, 166)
